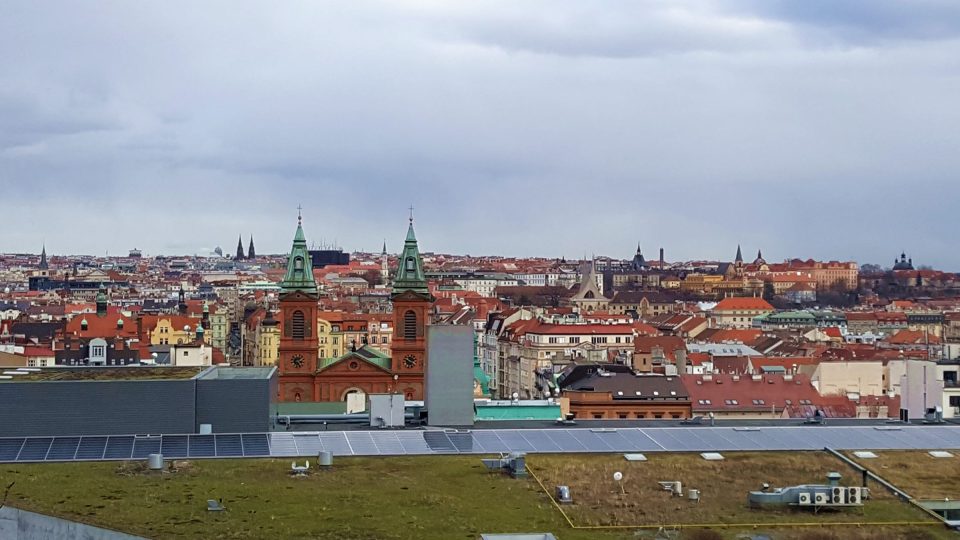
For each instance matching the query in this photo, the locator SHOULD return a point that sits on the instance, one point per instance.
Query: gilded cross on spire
(299, 214)
(411, 214)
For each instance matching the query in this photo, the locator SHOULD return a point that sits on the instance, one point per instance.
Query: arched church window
(298, 263)
(410, 325)
(298, 328)
(411, 265)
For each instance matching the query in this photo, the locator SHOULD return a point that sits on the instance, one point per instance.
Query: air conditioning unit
(839, 495)
(805, 499)
(854, 495)
(821, 498)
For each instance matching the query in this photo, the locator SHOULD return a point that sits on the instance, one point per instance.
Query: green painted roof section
(410, 276)
(299, 276)
(518, 412)
(805, 315)
(367, 354)
(312, 407)
(482, 378)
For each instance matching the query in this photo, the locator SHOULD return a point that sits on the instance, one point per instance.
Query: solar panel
(361, 443)
(439, 442)
(63, 448)
(35, 449)
(144, 446)
(308, 444)
(229, 445)
(10, 448)
(202, 446)
(463, 442)
(119, 447)
(255, 444)
(175, 446)
(282, 445)
(563, 439)
(482, 441)
(488, 441)
(539, 440)
(515, 441)
(91, 448)
(412, 442)
(336, 442)
(388, 444)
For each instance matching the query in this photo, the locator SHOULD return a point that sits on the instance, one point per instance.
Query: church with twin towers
(304, 376)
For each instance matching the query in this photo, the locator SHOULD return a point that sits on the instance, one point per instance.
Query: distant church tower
(411, 308)
(384, 267)
(738, 263)
(299, 344)
(251, 252)
(43, 259)
(240, 255)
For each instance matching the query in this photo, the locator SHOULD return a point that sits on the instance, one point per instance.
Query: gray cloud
(545, 128)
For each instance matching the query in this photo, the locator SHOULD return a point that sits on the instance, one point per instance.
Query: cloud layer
(813, 128)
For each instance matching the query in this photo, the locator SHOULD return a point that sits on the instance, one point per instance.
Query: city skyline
(805, 129)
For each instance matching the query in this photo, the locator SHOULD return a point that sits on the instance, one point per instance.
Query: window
(575, 339)
(622, 415)
(298, 264)
(410, 325)
(732, 402)
(298, 328)
(598, 416)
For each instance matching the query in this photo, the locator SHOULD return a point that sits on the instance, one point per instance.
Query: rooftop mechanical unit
(816, 496)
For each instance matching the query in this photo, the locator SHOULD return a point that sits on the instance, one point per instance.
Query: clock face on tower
(409, 361)
(297, 361)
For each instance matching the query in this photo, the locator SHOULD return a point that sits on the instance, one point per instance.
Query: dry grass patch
(723, 485)
(921, 475)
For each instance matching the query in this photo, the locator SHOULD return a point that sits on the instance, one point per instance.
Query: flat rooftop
(450, 497)
(128, 373)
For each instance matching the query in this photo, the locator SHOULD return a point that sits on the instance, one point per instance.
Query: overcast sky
(806, 128)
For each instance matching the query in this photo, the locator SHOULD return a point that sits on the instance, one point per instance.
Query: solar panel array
(485, 441)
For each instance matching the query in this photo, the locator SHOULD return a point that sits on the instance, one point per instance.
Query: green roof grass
(393, 498)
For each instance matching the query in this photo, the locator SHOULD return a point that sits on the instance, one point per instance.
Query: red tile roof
(743, 303)
(757, 394)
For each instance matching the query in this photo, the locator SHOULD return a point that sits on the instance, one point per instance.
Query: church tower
(251, 253)
(297, 360)
(240, 255)
(384, 267)
(46, 266)
(411, 308)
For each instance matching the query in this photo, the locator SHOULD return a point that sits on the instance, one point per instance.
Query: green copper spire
(410, 276)
(299, 275)
(102, 301)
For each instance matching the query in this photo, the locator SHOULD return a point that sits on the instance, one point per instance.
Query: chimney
(661, 258)
(681, 362)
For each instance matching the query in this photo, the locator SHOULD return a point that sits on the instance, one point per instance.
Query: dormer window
(411, 265)
(298, 264)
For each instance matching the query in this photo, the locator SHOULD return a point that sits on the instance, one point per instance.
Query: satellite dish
(618, 476)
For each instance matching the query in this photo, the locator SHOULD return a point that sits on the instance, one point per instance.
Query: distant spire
(251, 252)
(240, 256)
(638, 248)
(43, 258)
(384, 252)
(739, 255)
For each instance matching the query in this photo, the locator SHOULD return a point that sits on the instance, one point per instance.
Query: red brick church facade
(305, 377)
